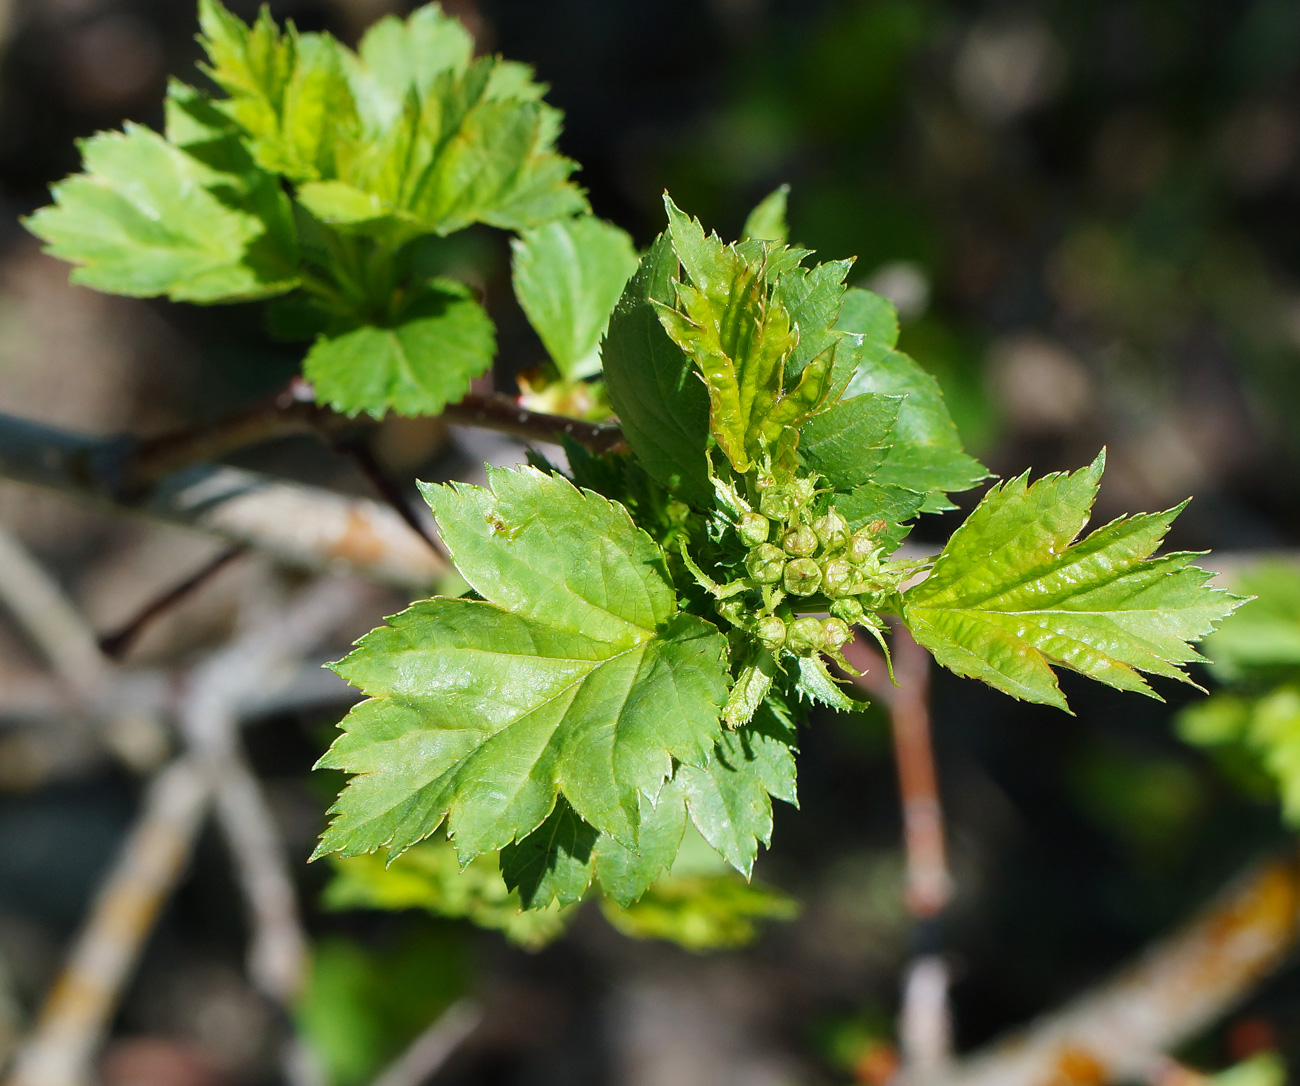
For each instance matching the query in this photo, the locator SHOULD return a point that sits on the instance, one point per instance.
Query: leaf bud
(836, 633)
(862, 546)
(804, 636)
(838, 576)
(753, 528)
(777, 503)
(802, 577)
(765, 563)
(832, 530)
(800, 542)
(771, 632)
(848, 609)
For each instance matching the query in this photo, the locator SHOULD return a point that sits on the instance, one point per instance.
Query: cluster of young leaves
(1252, 723)
(321, 177)
(631, 659)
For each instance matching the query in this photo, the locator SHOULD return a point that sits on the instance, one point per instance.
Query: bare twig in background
(1121, 1030)
(116, 644)
(925, 1025)
(301, 525)
(432, 1048)
(79, 1008)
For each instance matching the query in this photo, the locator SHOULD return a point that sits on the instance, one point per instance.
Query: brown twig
(115, 645)
(494, 411)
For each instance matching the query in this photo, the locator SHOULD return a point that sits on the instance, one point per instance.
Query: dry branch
(432, 1048)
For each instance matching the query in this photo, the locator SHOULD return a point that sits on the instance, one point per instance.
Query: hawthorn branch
(432, 1048)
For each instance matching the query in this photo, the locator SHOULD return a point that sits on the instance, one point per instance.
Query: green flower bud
(836, 633)
(753, 528)
(838, 576)
(832, 530)
(771, 632)
(800, 542)
(734, 611)
(848, 609)
(765, 563)
(802, 577)
(804, 636)
(802, 491)
(862, 546)
(777, 503)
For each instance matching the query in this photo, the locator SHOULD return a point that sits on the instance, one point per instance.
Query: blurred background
(1088, 216)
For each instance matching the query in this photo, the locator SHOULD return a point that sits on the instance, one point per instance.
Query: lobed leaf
(1011, 593)
(568, 276)
(422, 361)
(147, 219)
(575, 676)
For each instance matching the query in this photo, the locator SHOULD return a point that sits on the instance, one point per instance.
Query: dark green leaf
(847, 443)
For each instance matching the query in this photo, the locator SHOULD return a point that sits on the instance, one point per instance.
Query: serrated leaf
(659, 398)
(814, 684)
(146, 219)
(574, 675)
(553, 863)
(926, 454)
(625, 874)
(1011, 593)
(429, 876)
(568, 275)
(874, 502)
(425, 360)
(767, 221)
(400, 56)
(740, 335)
(730, 800)
(814, 297)
(847, 443)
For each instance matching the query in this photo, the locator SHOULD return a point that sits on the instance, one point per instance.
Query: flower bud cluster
(793, 552)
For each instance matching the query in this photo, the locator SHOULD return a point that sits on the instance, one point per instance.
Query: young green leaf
(287, 90)
(568, 275)
(701, 912)
(873, 503)
(656, 392)
(926, 455)
(147, 219)
(423, 361)
(1262, 640)
(574, 675)
(847, 443)
(767, 221)
(398, 57)
(1011, 593)
(740, 335)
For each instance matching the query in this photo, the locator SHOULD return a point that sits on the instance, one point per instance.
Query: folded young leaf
(926, 453)
(146, 219)
(568, 275)
(423, 361)
(574, 676)
(287, 90)
(740, 335)
(655, 390)
(1011, 593)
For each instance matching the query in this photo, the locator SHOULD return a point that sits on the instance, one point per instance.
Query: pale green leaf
(660, 400)
(398, 57)
(701, 912)
(1263, 638)
(814, 684)
(568, 275)
(1012, 593)
(429, 876)
(767, 221)
(574, 676)
(425, 360)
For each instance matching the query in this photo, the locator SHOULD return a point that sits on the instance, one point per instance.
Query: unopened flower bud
(848, 609)
(802, 577)
(838, 575)
(802, 491)
(804, 636)
(862, 546)
(734, 611)
(836, 633)
(800, 542)
(753, 529)
(832, 530)
(776, 502)
(765, 563)
(771, 632)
